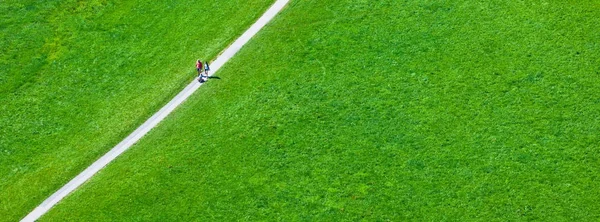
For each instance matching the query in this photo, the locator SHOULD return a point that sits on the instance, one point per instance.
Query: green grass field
(380, 110)
(76, 77)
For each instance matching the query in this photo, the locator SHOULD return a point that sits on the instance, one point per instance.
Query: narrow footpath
(155, 119)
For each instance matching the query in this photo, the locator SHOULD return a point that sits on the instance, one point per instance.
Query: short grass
(77, 76)
(380, 110)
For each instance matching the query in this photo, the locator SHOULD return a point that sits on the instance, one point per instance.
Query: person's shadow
(214, 77)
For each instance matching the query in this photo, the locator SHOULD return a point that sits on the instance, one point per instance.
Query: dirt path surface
(155, 119)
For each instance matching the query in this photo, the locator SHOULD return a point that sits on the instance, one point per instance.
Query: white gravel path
(155, 119)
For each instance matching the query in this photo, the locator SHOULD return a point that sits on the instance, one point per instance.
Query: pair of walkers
(199, 66)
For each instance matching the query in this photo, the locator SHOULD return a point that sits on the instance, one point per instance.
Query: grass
(379, 110)
(77, 76)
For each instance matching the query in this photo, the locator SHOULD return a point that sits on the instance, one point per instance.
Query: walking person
(206, 68)
(199, 69)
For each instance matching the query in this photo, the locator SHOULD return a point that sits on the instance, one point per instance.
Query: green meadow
(378, 110)
(76, 77)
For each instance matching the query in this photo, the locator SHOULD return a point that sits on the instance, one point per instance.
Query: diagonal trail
(155, 119)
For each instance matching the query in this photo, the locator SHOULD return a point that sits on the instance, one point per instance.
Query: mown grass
(77, 76)
(380, 110)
